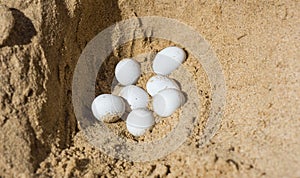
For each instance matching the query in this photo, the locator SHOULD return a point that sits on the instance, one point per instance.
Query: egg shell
(139, 120)
(127, 71)
(108, 108)
(168, 59)
(135, 130)
(135, 96)
(167, 101)
(158, 83)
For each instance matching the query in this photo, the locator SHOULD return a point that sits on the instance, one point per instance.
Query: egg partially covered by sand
(168, 59)
(108, 108)
(139, 120)
(127, 71)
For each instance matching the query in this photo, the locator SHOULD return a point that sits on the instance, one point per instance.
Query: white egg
(135, 96)
(139, 120)
(159, 82)
(168, 59)
(108, 108)
(135, 130)
(167, 101)
(127, 71)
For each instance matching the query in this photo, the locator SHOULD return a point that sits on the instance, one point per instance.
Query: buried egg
(127, 71)
(135, 96)
(167, 101)
(139, 120)
(158, 82)
(108, 108)
(168, 60)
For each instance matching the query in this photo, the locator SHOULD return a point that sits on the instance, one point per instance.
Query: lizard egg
(139, 120)
(167, 101)
(108, 108)
(127, 71)
(135, 96)
(158, 83)
(168, 60)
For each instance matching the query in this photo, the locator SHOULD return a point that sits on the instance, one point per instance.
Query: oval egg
(127, 71)
(168, 59)
(108, 108)
(139, 120)
(135, 96)
(158, 83)
(167, 101)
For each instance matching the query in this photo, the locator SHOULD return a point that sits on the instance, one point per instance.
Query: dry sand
(256, 42)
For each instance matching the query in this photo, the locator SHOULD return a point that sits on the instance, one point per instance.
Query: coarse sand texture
(257, 44)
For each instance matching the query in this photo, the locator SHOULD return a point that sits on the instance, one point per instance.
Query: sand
(256, 42)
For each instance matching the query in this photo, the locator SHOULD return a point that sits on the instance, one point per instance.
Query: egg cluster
(132, 101)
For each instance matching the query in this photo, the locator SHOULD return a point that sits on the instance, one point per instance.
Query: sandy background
(257, 43)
